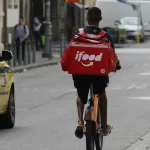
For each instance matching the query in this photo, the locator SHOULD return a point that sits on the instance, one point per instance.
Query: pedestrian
(21, 33)
(36, 32)
(42, 32)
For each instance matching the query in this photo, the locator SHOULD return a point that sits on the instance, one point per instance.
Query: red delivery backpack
(89, 54)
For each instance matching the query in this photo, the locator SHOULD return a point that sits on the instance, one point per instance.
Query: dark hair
(94, 15)
(21, 17)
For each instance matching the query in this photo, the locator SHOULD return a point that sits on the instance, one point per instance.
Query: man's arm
(27, 31)
(118, 66)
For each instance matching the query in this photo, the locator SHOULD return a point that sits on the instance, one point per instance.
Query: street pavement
(46, 114)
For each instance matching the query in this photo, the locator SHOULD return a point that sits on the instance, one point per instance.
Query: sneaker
(106, 130)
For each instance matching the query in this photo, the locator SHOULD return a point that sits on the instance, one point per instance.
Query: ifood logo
(81, 56)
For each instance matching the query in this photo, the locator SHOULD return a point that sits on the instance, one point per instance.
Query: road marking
(142, 86)
(142, 144)
(116, 88)
(136, 65)
(133, 50)
(140, 98)
(130, 87)
(145, 74)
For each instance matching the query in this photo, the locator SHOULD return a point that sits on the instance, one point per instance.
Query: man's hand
(118, 66)
(25, 37)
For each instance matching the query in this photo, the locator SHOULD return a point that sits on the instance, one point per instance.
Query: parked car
(132, 25)
(7, 92)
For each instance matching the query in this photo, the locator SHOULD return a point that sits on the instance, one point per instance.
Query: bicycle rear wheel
(90, 135)
(99, 136)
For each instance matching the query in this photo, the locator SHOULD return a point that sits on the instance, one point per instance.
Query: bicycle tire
(99, 136)
(89, 135)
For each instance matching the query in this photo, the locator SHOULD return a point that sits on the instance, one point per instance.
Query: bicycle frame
(91, 110)
(93, 123)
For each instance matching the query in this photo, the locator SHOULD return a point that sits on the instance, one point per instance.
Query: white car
(132, 25)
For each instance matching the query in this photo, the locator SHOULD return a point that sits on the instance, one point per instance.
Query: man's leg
(99, 88)
(103, 109)
(81, 101)
(36, 40)
(82, 86)
(17, 48)
(80, 108)
(23, 49)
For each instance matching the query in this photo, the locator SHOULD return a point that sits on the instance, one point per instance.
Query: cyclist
(82, 82)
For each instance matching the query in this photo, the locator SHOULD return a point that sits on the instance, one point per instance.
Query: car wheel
(7, 120)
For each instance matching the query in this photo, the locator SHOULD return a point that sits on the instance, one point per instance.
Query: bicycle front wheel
(89, 135)
(99, 141)
(99, 136)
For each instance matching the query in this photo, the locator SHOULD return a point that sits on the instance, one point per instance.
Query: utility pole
(47, 52)
(83, 21)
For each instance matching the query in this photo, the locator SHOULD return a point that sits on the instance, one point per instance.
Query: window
(1, 5)
(10, 4)
(15, 4)
(130, 21)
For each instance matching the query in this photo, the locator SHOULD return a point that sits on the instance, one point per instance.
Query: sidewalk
(56, 57)
(40, 62)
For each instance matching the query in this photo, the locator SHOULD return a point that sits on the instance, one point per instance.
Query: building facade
(74, 18)
(64, 17)
(11, 10)
(1, 24)
(57, 15)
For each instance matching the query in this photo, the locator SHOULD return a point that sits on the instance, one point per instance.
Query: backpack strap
(16, 27)
(24, 26)
(81, 31)
(100, 36)
(102, 33)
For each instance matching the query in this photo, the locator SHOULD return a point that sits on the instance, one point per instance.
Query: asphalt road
(46, 115)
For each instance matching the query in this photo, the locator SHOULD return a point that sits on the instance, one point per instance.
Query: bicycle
(93, 133)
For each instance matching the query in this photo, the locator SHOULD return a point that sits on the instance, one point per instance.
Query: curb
(33, 66)
(120, 46)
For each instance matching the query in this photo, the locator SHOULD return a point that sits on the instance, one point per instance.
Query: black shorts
(82, 84)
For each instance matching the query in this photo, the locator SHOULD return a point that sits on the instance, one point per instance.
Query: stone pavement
(146, 44)
(148, 148)
(46, 109)
(40, 61)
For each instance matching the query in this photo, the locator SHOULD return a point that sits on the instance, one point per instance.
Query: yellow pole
(138, 37)
(90, 3)
(139, 22)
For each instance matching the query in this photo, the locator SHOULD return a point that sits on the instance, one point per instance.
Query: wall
(11, 10)
(12, 13)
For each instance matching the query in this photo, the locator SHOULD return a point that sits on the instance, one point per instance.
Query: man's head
(94, 16)
(21, 20)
